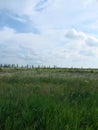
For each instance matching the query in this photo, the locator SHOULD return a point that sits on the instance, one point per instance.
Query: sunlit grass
(49, 99)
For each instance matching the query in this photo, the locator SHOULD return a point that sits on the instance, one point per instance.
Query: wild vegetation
(48, 99)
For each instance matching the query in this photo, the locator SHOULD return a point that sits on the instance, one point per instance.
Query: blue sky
(49, 32)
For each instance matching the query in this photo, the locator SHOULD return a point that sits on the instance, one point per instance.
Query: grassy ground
(48, 99)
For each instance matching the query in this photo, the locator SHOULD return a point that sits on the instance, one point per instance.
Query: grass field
(48, 99)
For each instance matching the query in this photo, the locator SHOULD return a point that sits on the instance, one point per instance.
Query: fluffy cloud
(82, 37)
(75, 35)
(92, 41)
(28, 48)
(49, 32)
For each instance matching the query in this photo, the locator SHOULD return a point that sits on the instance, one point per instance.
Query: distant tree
(5, 65)
(17, 66)
(13, 66)
(27, 66)
(55, 66)
(1, 65)
(38, 66)
(32, 66)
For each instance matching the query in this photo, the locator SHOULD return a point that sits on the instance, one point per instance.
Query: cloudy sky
(49, 32)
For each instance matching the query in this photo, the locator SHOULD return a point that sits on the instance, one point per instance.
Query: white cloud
(23, 7)
(6, 34)
(92, 41)
(75, 35)
(18, 7)
(94, 25)
(28, 47)
(45, 49)
(57, 14)
(64, 40)
(87, 52)
(81, 37)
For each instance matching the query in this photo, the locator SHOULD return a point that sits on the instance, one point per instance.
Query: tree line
(24, 66)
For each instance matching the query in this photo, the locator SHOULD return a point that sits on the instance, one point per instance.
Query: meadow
(48, 99)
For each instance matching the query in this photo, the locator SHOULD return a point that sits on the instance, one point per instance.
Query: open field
(48, 99)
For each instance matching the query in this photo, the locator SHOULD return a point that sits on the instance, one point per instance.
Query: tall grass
(49, 100)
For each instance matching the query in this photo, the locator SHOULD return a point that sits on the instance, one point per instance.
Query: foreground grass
(49, 100)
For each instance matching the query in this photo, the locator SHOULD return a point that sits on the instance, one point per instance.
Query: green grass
(49, 99)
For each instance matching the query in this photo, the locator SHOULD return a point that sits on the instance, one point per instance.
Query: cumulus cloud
(82, 37)
(28, 47)
(44, 49)
(75, 35)
(48, 32)
(92, 41)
